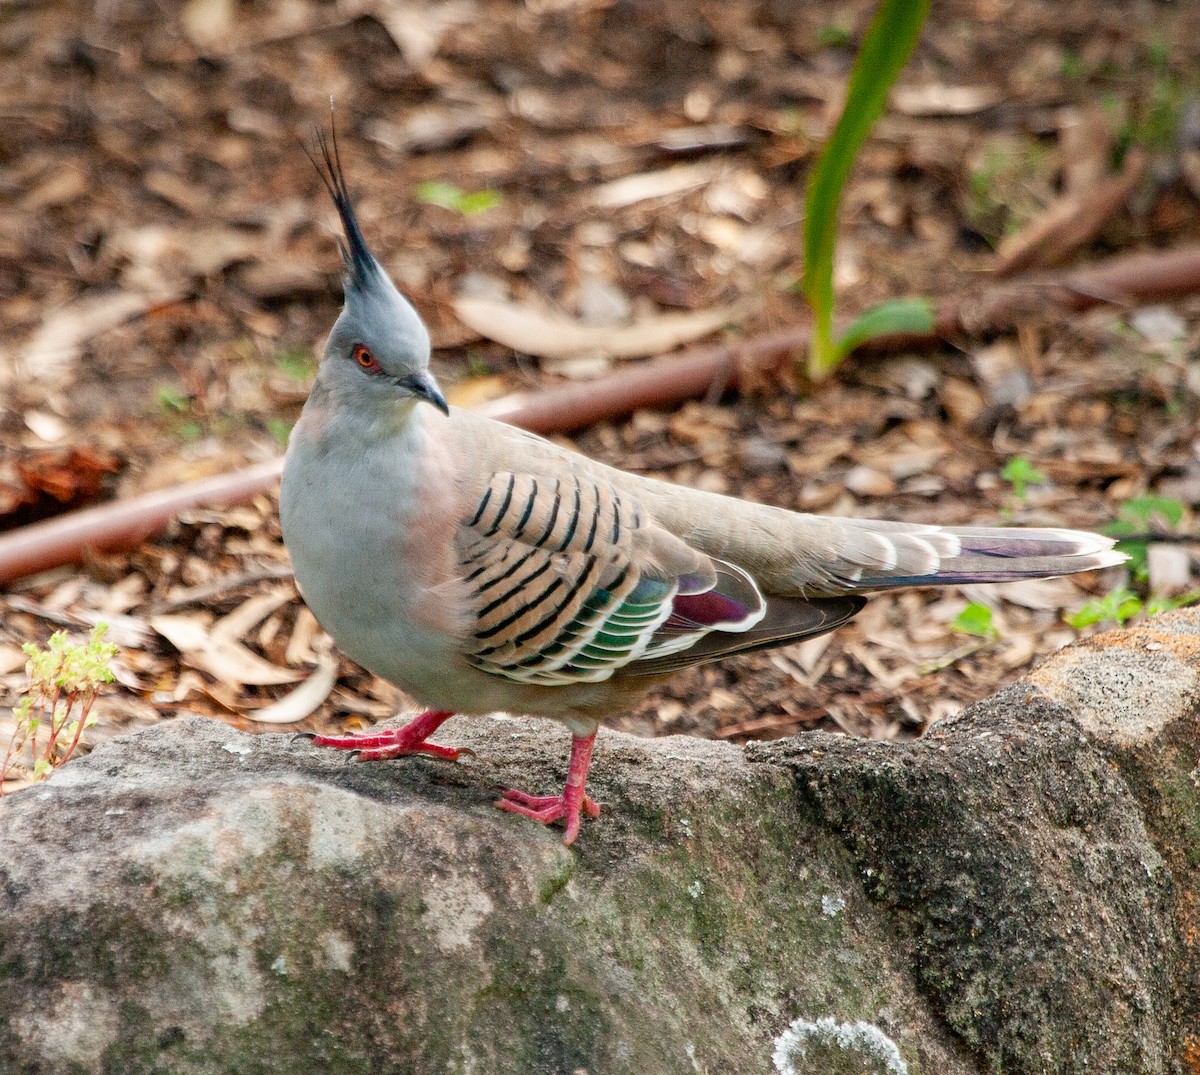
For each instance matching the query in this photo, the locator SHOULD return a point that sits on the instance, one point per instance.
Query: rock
(194, 899)
(1012, 893)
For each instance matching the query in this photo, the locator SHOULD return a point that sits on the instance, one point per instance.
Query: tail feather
(882, 556)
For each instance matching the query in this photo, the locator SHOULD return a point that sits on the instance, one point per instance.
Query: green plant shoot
(1139, 516)
(888, 44)
(64, 679)
(977, 620)
(1116, 606)
(1020, 473)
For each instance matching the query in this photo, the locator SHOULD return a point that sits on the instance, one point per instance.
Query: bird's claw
(391, 742)
(548, 809)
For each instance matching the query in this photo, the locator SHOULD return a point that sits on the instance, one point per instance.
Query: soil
(167, 273)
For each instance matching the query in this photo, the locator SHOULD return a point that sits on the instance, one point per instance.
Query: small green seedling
(179, 408)
(64, 679)
(834, 35)
(886, 47)
(1117, 606)
(1160, 603)
(1140, 516)
(448, 196)
(1020, 473)
(977, 620)
(1008, 187)
(1123, 605)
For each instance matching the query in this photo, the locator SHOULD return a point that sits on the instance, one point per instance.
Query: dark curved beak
(423, 386)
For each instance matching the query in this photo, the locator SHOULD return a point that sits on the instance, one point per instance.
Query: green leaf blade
(886, 48)
(887, 319)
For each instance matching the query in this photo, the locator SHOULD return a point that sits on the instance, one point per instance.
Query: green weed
(1020, 474)
(64, 679)
(977, 620)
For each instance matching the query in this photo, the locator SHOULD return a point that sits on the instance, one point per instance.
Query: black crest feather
(359, 263)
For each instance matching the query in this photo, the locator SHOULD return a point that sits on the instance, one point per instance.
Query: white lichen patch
(828, 1046)
(337, 951)
(454, 908)
(74, 1029)
(338, 833)
(832, 906)
(212, 847)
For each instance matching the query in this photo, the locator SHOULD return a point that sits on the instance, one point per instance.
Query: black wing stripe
(508, 494)
(545, 622)
(482, 507)
(574, 520)
(508, 621)
(485, 586)
(528, 508)
(553, 515)
(495, 604)
(591, 538)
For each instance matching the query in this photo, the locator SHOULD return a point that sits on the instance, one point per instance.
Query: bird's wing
(789, 554)
(569, 581)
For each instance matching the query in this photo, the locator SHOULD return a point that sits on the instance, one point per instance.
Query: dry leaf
(1069, 222)
(418, 29)
(60, 339)
(1037, 594)
(218, 654)
(549, 335)
(250, 613)
(207, 23)
(305, 699)
(936, 99)
(632, 189)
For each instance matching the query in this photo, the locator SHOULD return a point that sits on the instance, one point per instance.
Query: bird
(483, 569)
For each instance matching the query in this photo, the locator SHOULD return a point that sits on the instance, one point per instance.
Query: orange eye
(364, 358)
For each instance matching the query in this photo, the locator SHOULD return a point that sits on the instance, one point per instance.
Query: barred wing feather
(570, 582)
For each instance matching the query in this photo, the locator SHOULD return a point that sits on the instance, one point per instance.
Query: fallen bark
(1129, 280)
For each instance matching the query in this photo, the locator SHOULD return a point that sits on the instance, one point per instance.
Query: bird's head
(378, 350)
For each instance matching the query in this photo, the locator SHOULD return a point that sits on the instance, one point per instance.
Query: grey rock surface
(1010, 894)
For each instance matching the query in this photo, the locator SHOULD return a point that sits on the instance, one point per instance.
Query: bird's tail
(875, 555)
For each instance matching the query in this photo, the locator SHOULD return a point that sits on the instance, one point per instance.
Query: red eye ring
(364, 358)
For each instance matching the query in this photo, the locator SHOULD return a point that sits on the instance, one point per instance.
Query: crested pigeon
(483, 569)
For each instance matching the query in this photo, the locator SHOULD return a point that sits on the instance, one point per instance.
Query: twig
(1128, 280)
(224, 585)
(767, 724)
(1070, 221)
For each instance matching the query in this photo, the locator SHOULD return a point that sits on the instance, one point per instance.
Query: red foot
(570, 804)
(392, 743)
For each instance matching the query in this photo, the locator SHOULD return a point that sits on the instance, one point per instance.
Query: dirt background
(167, 273)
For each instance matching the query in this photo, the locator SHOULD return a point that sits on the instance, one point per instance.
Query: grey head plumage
(378, 330)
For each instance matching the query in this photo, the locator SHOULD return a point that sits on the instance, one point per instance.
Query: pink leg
(375, 746)
(573, 800)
